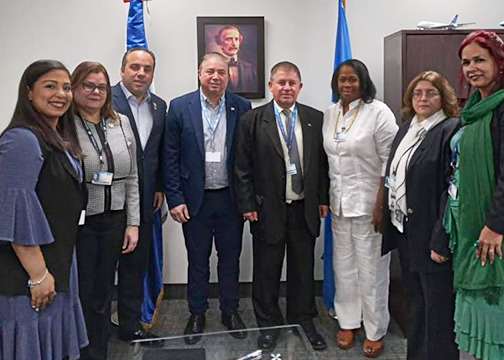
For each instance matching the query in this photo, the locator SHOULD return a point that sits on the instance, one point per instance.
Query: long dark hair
(367, 88)
(25, 115)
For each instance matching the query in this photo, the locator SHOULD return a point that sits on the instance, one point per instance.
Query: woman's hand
(43, 293)
(130, 239)
(438, 258)
(490, 243)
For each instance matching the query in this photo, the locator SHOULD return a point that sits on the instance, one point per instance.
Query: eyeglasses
(89, 87)
(429, 94)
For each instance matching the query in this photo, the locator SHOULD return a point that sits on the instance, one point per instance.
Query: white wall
(301, 31)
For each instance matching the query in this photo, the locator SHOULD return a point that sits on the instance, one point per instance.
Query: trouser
(430, 310)
(99, 245)
(268, 261)
(132, 268)
(361, 276)
(216, 220)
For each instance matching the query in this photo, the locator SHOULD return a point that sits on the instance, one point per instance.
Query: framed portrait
(241, 41)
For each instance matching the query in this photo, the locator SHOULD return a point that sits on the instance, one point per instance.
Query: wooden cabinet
(409, 52)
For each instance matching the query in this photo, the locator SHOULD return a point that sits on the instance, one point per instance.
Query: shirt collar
(129, 95)
(430, 121)
(352, 105)
(280, 109)
(204, 99)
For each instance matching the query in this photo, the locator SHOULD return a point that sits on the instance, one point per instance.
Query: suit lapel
(306, 126)
(231, 119)
(270, 127)
(155, 111)
(197, 120)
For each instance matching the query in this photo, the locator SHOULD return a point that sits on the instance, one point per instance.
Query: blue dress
(58, 330)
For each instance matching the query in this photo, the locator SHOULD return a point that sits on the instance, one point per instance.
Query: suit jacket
(260, 171)
(184, 149)
(426, 185)
(148, 159)
(247, 76)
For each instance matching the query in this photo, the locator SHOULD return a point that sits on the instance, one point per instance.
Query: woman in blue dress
(42, 198)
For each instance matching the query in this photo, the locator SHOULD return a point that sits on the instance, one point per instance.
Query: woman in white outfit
(358, 131)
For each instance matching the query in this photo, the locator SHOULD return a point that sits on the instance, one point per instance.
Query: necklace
(345, 129)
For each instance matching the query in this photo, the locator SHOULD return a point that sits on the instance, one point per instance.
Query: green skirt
(479, 327)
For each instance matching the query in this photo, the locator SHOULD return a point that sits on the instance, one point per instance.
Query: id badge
(453, 191)
(291, 169)
(341, 136)
(102, 178)
(390, 182)
(213, 157)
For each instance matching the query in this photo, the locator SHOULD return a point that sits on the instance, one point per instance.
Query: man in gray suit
(146, 113)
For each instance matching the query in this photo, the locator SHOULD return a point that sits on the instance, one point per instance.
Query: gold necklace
(344, 129)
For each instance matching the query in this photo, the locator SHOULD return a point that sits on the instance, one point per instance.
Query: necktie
(297, 180)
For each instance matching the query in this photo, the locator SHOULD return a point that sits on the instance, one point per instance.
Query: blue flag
(135, 29)
(153, 280)
(342, 52)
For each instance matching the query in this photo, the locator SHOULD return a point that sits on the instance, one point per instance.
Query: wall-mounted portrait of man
(241, 41)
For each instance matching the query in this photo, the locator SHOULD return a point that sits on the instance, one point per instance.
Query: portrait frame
(251, 50)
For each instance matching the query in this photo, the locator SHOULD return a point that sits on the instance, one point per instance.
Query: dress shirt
(142, 114)
(290, 195)
(398, 167)
(357, 164)
(216, 174)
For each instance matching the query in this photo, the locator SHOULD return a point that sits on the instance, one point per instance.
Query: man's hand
(130, 239)
(158, 200)
(323, 210)
(251, 216)
(437, 258)
(180, 213)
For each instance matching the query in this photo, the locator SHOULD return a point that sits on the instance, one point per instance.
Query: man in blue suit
(198, 162)
(147, 114)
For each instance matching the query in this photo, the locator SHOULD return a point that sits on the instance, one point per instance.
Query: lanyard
(345, 129)
(419, 137)
(93, 139)
(288, 141)
(213, 121)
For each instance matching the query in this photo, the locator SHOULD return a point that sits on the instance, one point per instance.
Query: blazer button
(410, 211)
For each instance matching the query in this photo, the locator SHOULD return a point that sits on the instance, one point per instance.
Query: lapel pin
(232, 108)
(154, 105)
(110, 125)
(309, 124)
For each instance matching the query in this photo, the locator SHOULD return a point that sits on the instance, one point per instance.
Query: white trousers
(361, 276)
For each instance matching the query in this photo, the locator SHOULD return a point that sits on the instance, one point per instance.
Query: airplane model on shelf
(430, 25)
(502, 23)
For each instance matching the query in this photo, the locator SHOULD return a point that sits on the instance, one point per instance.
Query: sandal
(345, 338)
(373, 349)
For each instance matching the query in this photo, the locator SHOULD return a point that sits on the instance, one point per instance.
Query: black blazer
(148, 159)
(495, 215)
(260, 171)
(426, 185)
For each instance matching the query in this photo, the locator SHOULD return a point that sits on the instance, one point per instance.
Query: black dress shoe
(266, 342)
(234, 323)
(151, 340)
(316, 340)
(194, 327)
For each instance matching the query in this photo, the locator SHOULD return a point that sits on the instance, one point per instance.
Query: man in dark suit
(146, 113)
(242, 74)
(281, 181)
(198, 182)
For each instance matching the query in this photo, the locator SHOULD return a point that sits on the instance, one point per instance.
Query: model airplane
(429, 25)
(502, 23)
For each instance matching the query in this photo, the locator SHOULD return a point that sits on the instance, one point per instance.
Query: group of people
(84, 166)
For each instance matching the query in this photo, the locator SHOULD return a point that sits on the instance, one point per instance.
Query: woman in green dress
(475, 213)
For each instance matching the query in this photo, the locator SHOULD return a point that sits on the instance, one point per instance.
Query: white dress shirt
(290, 195)
(357, 164)
(142, 114)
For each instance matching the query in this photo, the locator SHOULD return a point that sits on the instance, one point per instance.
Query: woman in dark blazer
(415, 187)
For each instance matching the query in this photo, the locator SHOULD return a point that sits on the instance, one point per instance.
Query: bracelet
(32, 284)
